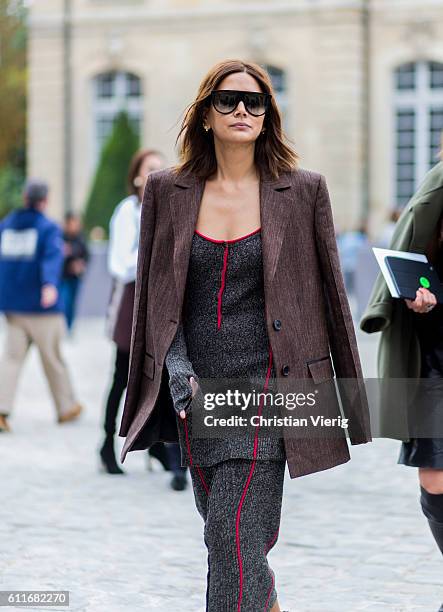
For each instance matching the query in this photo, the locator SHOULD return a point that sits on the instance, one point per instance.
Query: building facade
(359, 82)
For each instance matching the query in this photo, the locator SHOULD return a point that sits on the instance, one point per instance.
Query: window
(436, 128)
(278, 78)
(112, 93)
(436, 70)
(405, 76)
(418, 124)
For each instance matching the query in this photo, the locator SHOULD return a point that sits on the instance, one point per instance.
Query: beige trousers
(46, 332)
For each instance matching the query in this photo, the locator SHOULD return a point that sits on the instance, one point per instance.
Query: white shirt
(124, 230)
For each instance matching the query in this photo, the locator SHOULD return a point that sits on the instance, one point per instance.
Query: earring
(138, 181)
(207, 128)
(263, 131)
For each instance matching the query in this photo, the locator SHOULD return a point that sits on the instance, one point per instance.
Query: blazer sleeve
(342, 339)
(137, 348)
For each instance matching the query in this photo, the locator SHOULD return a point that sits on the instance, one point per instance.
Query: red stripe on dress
(222, 287)
(245, 490)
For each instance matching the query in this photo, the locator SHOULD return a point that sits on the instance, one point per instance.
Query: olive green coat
(398, 354)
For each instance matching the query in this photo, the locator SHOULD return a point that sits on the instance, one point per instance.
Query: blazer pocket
(321, 369)
(149, 365)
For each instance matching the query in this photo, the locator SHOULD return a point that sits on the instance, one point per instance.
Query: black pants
(119, 384)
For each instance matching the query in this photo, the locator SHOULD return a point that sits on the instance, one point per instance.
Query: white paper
(381, 254)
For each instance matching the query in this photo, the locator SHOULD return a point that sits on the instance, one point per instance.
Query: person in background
(76, 258)
(384, 239)
(31, 261)
(122, 263)
(350, 244)
(411, 346)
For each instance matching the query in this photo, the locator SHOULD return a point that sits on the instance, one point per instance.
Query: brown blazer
(303, 287)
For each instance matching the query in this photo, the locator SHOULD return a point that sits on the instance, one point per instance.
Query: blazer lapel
(275, 208)
(184, 202)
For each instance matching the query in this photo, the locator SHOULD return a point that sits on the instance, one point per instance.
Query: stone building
(360, 84)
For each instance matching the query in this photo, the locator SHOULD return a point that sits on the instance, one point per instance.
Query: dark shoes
(159, 452)
(109, 462)
(179, 481)
(107, 456)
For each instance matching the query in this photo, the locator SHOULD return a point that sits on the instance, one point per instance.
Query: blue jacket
(31, 255)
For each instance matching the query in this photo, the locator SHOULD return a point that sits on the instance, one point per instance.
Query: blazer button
(277, 324)
(285, 370)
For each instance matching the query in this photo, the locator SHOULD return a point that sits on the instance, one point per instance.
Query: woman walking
(411, 344)
(235, 266)
(122, 263)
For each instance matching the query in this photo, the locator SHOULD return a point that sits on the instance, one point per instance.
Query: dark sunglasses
(226, 100)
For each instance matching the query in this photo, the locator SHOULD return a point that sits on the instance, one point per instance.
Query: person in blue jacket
(31, 262)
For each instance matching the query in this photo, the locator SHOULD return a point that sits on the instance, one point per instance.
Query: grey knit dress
(237, 482)
(222, 335)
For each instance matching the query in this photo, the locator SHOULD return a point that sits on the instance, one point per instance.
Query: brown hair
(197, 153)
(435, 242)
(134, 167)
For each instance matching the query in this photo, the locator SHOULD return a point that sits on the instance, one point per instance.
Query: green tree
(11, 189)
(109, 184)
(13, 76)
(13, 80)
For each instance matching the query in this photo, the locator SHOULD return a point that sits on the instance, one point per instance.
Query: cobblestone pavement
(352, 538)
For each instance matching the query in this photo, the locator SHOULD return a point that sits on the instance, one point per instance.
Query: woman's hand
(424, 301)
(194, 386)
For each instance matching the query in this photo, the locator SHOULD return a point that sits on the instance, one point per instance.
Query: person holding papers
(411, 343)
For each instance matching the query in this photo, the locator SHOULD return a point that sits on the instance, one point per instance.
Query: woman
(411, 346)
(424, 452)
(230, 284)
(122, 264)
